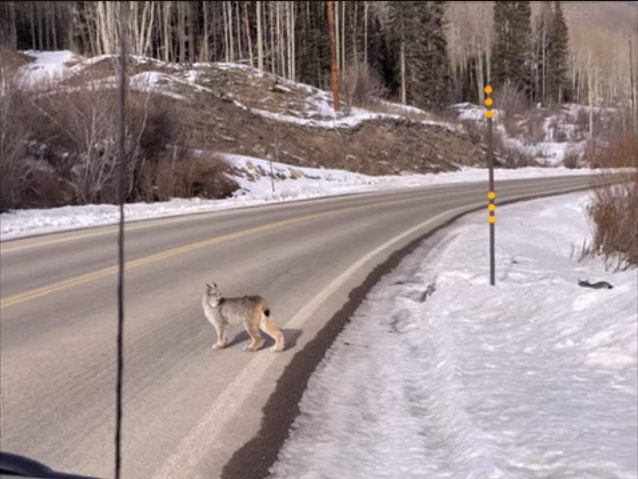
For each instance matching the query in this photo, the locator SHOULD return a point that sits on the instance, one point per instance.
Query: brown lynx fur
(252, 312)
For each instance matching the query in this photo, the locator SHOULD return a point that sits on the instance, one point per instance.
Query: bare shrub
(560, 135)
(535, 121)
(616, 150)
(476, 130)
(361, 86)
(613, 214)
(81, 127)
(203, 176)
(600, 122)
(512, 157)
(573, 160)
(510, 101)
(15, 129)
(614, 208)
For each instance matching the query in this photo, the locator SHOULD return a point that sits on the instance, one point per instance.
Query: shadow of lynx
(290, 335)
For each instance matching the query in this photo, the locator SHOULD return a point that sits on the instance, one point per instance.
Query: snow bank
(441, 375)
(256, 188)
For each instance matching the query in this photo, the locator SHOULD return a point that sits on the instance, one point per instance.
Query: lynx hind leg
(252, 328)
(222, 336)
(268, 326)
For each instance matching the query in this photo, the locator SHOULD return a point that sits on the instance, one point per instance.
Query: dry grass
(182, 176)
(360, 86)
(11, 60)
(15, 129)
(60, 147)
(614, 208)
(573, 160)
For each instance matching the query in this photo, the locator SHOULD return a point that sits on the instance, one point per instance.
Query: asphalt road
(188, 409)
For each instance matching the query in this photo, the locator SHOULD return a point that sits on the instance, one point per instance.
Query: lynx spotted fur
(252, 312)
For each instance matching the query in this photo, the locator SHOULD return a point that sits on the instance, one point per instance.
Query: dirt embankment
(374, 147)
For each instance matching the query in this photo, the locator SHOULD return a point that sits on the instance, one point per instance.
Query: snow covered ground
(440, 375)
(292, 184)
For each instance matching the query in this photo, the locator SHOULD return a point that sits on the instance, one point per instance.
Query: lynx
(251, 311)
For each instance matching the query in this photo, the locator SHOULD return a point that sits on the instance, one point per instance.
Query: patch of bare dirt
(222, 104)
(375, 147)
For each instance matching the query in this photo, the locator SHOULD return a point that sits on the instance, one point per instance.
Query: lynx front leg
(222, 336)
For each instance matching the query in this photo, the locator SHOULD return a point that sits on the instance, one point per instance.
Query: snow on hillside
(302, 104)
(48, 65)
(286, 101)
(291, 183)
(441, 375)
(560, 134)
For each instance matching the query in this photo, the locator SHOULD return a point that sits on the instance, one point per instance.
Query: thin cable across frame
(121, 199)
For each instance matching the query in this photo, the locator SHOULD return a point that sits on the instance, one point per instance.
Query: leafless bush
(512, 157)
(81, 128)
(15, 126)
(476, 130)
(361, 86)
(534, 121)
(614, 208)
(179, 175)
(592, 119)
(573, 160)
(613, 214)
(560, 135)
(615, 150)
(510, 101)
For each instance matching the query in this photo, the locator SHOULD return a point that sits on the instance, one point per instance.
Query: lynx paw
(218, 346)
(276, 349)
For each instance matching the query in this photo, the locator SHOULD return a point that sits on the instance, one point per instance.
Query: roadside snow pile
(256, 188)
(441, 375)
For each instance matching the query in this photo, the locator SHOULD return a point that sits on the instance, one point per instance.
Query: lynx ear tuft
(215, 285)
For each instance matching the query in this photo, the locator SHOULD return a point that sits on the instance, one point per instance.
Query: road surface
(189, 409)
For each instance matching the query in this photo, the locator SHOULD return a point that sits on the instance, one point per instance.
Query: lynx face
(213, 296)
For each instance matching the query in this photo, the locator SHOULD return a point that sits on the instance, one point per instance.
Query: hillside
(236, 109)
(224, 111)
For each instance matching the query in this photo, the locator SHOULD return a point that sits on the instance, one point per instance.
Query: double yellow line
(46, 290)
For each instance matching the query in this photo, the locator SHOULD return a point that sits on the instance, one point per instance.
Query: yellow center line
(46, 290)
(78, 280)
(85, 278)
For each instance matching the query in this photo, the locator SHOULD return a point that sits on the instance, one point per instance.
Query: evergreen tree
(542, 47)
(313, 49)
(433, 79)
(379, 58)
(558, 55)
(512, 55)
(419, 52)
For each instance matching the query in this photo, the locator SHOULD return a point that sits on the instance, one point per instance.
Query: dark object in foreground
(597, 285)
(15, 465)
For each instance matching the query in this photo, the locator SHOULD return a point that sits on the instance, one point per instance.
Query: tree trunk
(404, 94)
(238, 29)
(334, 70)
(271, 26)
(293, 41)
(247, 27)
(260, 38)
(365, 32)
(32, 16)
(204, 53)
(337, 20)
